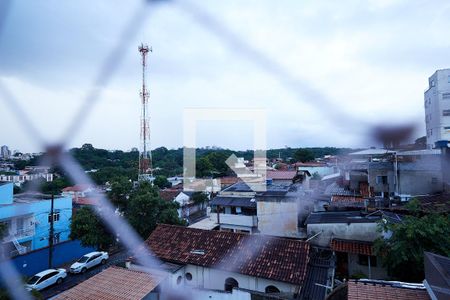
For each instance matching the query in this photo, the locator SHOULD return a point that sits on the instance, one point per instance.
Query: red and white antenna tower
(145, 156)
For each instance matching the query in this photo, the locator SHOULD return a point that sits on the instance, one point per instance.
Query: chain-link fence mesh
(56, 154)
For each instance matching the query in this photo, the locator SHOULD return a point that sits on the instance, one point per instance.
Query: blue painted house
(27, 218)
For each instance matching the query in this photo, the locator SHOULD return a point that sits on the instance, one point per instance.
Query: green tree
(204, 167)
(45, 187)
(146, 209)
(304, 155)
(402, 252)
(120, 191)
(199, 197)
(162, 182)
(87, 227)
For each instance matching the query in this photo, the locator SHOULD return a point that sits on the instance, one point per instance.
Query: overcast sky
(350, 61)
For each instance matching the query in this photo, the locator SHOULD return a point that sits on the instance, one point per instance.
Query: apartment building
(437, 107)
(27, 218)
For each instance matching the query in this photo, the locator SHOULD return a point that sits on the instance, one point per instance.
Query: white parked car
(46, 278)
(88, 261)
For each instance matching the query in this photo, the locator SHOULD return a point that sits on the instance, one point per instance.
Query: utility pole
(51, 234)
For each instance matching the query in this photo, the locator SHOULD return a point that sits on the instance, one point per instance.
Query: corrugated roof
(335, 189)
(341, 217)
(234, 201)
(114, 283)
(261, 256)
(319, 266)
(372, 152)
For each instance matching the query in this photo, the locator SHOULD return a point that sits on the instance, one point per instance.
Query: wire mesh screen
(56, 154)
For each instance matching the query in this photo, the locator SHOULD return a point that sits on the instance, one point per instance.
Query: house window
(448, 78)
(382, 179)
(434, 180)
(446, 96)
(447, 128)
(188, 276)
(179, 279)
(271, 289)
(432, 83)
(231, 283)
(446, 112)
(55, 217)
(363, 260)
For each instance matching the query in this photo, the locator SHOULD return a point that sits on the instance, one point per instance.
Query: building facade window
(446, 112)
(188, 276)
(446, 96)
(179, 280)
(271, 289)
(55, 217)
(231, 283)
(363, 260)
(382, 180)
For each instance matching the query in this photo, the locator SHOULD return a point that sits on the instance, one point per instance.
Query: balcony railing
(22, 233)
(241, 220)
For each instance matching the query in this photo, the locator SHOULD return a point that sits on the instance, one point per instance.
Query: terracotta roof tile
(229, 180)
(114, 283)
(85, 201)
(169, 194)
(254, 255)
(369, 290)
(77, 188)
(352, 246)
(338, 198)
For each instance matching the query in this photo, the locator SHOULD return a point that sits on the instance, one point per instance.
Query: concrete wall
(354, 267)
(218, 295)
(278, 218)
(420, 182)
(214, 279)
(354, 231)
(6, 193)
(389, 187)
(36, 261)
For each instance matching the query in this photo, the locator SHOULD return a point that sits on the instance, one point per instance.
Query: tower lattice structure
(145, 156)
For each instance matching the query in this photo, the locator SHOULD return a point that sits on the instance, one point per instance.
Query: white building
(437, 107)
(5, 153)
(219, 260)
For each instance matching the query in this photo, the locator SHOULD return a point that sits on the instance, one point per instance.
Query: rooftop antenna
(145, 156)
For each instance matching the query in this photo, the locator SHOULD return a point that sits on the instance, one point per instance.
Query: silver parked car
(88, 261)
(46, 278)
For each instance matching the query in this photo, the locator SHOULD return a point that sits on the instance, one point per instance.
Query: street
(73, 279)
